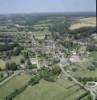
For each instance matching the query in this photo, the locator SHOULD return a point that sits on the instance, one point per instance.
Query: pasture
(60, 90)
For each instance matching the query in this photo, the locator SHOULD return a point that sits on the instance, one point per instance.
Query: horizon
(52, 13)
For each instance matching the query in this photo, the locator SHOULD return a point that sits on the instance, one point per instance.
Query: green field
(60, 90)
(14, 83)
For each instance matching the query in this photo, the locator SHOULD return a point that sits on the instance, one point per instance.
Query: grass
(41, 34)
(13, 84)
(93, 55)
(41, 26)
(2, 64)
(82, 70)
(13, 59)
(51, 91)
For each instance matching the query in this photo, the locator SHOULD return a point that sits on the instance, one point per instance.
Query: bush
(82, 96)
(32, 66)
(26, 55)
(34, 80)
(91, 68)
(15, 93)
(56, 70)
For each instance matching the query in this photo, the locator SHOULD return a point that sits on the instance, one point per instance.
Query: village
(53, 57)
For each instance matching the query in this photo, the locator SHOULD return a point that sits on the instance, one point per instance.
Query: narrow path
(38, 66)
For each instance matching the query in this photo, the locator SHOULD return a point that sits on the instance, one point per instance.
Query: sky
(38, 6)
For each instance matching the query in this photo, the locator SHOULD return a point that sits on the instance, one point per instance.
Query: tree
(16, 51)
(29, 62)
(11, 66)
(56, 70)
(49, 75)
(26, 55)
(22, 60)
(91, 48)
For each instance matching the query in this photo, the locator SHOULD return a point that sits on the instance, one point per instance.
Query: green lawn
(60, 90)
(16, 82)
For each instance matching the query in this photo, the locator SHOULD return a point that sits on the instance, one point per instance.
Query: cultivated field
(84, 22)
(91, 20)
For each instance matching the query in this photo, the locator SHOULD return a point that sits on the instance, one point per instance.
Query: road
(68, 75)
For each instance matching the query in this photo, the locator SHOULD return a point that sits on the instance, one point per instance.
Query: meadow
(15, 83)
(60, 90)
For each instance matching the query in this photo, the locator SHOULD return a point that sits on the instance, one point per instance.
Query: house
(33, 61)
(75, 57)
